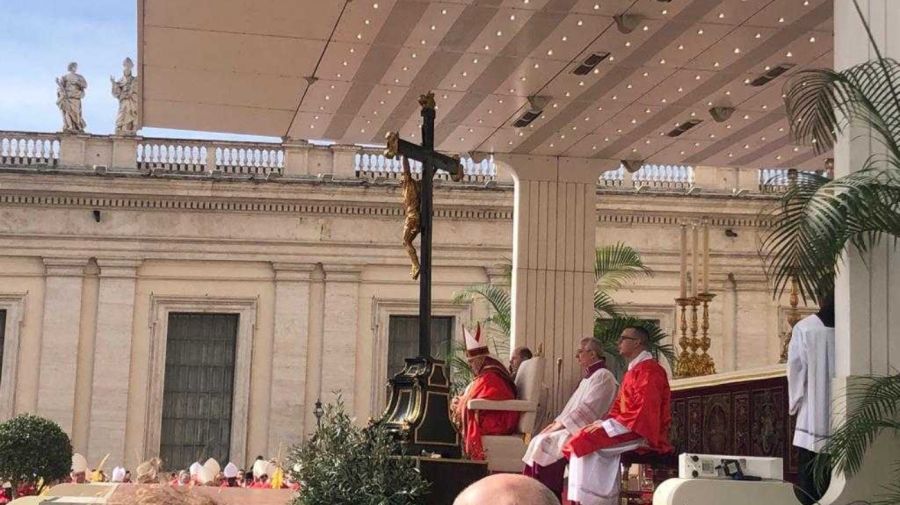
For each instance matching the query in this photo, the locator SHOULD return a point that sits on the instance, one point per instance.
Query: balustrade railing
(185, 156)
(28, 149)
(374, 165)
(664, 176)
(241, 159)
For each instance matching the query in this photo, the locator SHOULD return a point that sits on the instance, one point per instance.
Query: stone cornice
(468, 203)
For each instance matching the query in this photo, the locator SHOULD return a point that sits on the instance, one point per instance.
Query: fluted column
(289, 355)
(112, 359)
(59, 340)
(339, 334)
(553, 262)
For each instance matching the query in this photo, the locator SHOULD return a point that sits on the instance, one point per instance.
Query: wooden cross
(431, 160)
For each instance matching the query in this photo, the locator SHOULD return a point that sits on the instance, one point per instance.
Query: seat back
(528, 387)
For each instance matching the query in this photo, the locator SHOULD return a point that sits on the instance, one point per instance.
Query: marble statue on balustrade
(69, 92)
(125, 91)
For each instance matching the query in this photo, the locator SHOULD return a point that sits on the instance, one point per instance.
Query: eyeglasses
(627, 338)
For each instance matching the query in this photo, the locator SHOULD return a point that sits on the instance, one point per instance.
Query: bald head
(506, 489)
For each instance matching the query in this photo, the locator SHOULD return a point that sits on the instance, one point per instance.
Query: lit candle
(695, 258)
(705, 256)
(683, 261)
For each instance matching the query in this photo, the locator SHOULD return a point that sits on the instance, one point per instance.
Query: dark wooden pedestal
(448, 477)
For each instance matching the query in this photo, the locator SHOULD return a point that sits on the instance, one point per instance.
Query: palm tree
(614, 266)
(817, 219)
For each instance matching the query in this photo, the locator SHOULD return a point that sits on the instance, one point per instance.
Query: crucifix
(418, 221)
(418, 406)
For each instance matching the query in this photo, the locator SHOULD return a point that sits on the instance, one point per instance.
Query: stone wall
(95, 259)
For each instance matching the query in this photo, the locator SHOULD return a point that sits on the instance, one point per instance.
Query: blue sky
(38, 40)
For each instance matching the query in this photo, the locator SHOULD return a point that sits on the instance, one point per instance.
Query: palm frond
(821, 103)
(877, 405)
(615, 264)
(816, 219)
(497, 297)
(604, 306)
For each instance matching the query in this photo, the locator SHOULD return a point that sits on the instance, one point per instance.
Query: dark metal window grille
(403, 339)
(198, 391)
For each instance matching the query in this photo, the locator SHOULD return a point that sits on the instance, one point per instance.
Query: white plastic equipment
(711, 466)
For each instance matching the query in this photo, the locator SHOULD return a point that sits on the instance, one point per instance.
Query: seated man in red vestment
(638, 420)
(492, 382)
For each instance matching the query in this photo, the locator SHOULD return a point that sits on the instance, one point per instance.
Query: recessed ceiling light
(327, 97)
(358, 36)
(781, 129)
(443, 11)
(568, 94)
(611, 58)
(681, 153)
(312, 126)
(789, 54)
(564, 38)
(762, 139)
(510, 142)
(628, 86)
(764, 107)
(730, 155)
(712, 135)
(332, 86)
(758, 35)
(781, 20)
(375, 6)
(563, 136)
(615, 97)
(778, 157)
(465, 74)
(512, 17)
(316, 117)
(680, 89)
(812, 39)
(368, 22)
(594, 148)
(596, 70)
(462, 139)
(389, 92)
(665, 11)
(634, 149)
(663, 100)
(696, 144)
(796, 149)
(499, 33)
(487, 48)
(700, 31)
(490, 111)
(746, 81)
(511, 90)
(746, 116)
(634, 121)
(737, 50)
(433, 27)
(580, 22)
(662, 61)
(645, 74)
(681, 47)
(596, 7)
(599, 109)
(728, 93)
(338, 76)
(523, 78)
(354, 50)
(697, 77)
(693, 114)
(728, 127)
(721, 15)
(500, 100)
(551, 145)
(619, 130)
(646, 28)
(628, 44)
(405, 69)
(537, 65)
(362, 130)
(647, 142)
(581, 83)
(422, 42)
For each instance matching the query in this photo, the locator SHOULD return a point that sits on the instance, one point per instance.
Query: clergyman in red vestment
(492, 382)
(638, 420)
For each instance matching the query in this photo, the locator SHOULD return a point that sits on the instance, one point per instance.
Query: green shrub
(345, 464)
(33, 449)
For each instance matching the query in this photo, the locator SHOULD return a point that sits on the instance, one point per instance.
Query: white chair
(504, 452)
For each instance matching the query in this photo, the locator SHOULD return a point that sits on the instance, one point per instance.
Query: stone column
(553, 262)
(339, 334)
(59, 340)
(289, 356)
(315, 349)
(112, 360)
(867, 295)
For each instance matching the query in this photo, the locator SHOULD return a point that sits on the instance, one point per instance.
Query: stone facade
(91, 261)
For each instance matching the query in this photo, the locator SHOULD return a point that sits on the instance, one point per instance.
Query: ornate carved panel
(747, 418)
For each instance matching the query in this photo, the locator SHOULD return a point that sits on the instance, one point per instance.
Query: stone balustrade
(371, 163)
(299, 159)
(179, 156)
(20, 149)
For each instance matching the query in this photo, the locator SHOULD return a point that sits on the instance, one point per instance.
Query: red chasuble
(642, 406)
(492, 383)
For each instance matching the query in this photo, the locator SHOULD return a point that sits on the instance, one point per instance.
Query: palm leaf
(497, 297)
(877, 401)
(616, 264)
(816, 219)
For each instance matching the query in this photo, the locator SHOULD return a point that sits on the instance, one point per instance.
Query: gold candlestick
(684, 364)
(705, 363)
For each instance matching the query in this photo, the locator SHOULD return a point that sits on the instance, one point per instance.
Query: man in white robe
(810, 372)
(544, 459)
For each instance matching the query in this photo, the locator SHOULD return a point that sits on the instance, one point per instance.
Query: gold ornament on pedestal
(692, 363)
